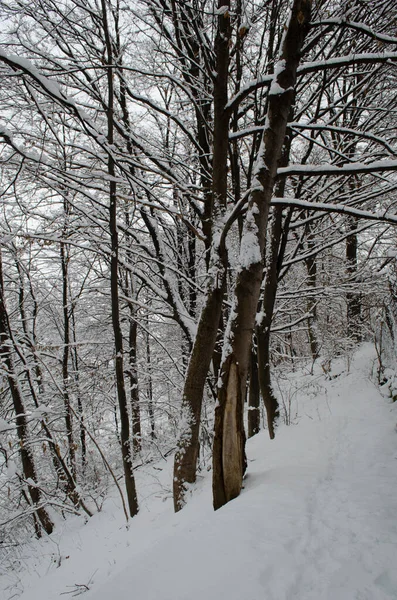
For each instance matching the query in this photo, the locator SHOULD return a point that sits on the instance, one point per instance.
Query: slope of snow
(317, 519)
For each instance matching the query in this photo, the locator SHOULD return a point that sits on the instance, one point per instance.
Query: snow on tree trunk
(229, 441)
(203, 349)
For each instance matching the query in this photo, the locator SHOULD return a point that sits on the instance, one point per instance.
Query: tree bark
(229, 440)
(265, 321)
(278, 242)
(64, 255)
(204, 344)
(134, 390)
(149, 388)
(114, 287)
(254, 414)
(188, 444)
(311, 267)
(352, 298)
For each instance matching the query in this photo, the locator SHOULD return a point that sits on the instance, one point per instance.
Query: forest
(198, 198)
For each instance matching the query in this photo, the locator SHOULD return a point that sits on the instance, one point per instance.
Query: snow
(380, 215)
(250, 252)
(316, 519)
(4, 426)
(313, 67)
(276, 89)
(30, 482)
(40, 412)
(342, 61)
(222, 10)
(48, 84)
(12, 470)
(328, 169)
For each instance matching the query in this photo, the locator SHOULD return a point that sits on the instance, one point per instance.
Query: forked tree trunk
(27, 459)
(185, 463)
(204, 344)
(229, 440)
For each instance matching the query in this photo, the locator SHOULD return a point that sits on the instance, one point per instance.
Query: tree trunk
(66, 347)
(265, 321)
(278, 243)
(134, 390)
(229, 440)
(204, 344)
(311, 267)
(27, 459)
(254, 414)
(188, 444)
(269, 399)
(150, 408)
(114, 263)
(352, 298)
(75, 358)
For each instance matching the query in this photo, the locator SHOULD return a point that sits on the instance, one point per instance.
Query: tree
(202, 186)
(25, 451)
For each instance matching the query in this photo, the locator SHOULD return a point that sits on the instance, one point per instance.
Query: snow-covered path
(317, 519)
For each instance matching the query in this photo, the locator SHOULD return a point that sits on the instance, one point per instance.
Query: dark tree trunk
(150, 385)
(134, 390)
(114, 285)
(254, 413)
(274, 260)
(66, 347)
(353, 298)
(27, 459)
(188, 445)
(269, 399)
(311, 267)
(265, 321)
(75, 358)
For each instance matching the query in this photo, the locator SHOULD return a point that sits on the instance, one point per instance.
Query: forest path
(317, 519)
(349, 543)
(334, 479)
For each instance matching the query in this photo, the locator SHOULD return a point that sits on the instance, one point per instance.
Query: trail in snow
(317, 519)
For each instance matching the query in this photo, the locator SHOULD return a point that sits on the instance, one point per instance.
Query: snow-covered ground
(317, 519)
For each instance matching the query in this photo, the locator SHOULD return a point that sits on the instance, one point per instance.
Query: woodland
(197, 198)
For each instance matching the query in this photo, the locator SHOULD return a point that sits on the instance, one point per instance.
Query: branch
(361, 27)
(336, 208)
(313, 67)
(378, 166)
